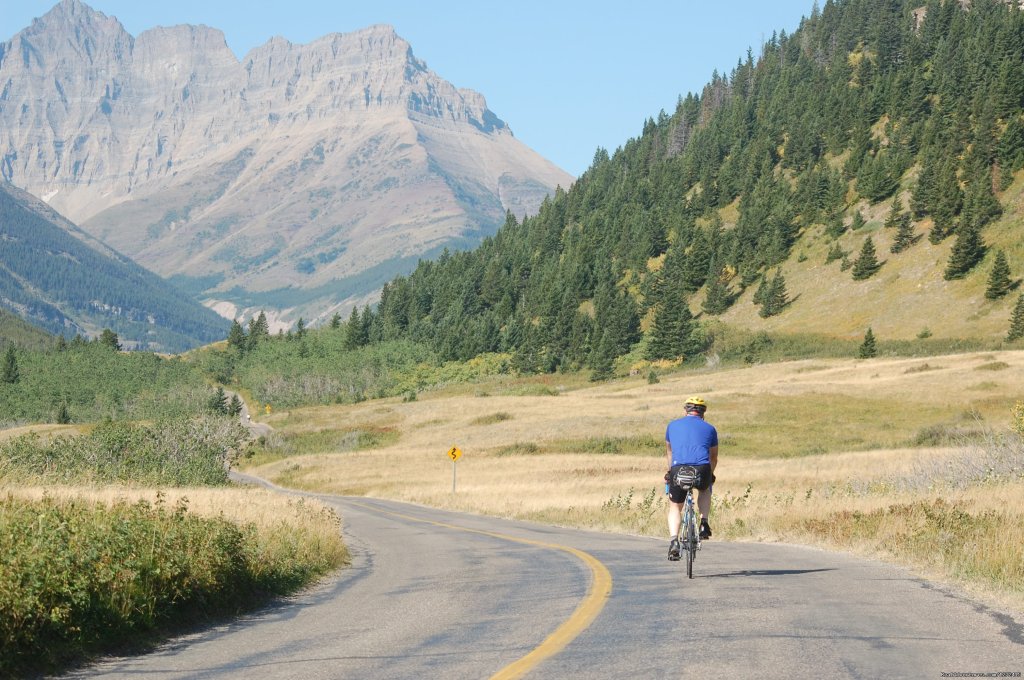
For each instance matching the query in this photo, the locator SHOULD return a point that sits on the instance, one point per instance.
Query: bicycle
(689, 532)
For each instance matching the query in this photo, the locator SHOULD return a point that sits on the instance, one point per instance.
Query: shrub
(181, 452)
(88, 382)
(80, 578)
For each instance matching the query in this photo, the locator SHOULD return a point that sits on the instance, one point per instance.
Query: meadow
(908, 459)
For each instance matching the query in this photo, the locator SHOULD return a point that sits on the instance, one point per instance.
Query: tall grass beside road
(186, 451)
(87, 569)
(78, 577)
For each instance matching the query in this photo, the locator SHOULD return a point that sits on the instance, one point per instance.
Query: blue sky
(567, 76)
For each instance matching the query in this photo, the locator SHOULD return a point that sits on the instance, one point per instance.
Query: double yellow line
(587, 610)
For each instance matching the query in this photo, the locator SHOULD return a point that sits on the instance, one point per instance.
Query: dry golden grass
(45, 431)
(909, 286)
(802, 443)
(286, 528)
(241, 505)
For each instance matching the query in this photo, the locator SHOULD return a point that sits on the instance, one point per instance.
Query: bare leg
(675, 511)
(704, 503)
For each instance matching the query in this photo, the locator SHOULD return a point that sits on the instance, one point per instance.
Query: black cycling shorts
(705, 479)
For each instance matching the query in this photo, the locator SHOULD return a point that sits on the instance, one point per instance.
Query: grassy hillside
(905, 297)
(17, 332)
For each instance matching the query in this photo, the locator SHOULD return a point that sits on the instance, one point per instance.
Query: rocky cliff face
(299, 179)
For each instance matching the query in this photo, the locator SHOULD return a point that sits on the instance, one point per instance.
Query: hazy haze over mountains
(298, 179)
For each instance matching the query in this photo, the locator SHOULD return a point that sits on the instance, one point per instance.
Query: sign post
(454, 453)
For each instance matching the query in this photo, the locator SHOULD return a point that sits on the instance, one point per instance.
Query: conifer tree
(835, 226)
(10, 374)
(235, 405)
(999, 278)
(762, 288)
(905, 236)
(718, 298)
(259, 330)
(236, 337)
(968, 250)
(109, 339)
(336, 321)
(867, 262)
(672, 333)
(836, 252)
(980, 204)
(603, 360)
(923, 195)
(1017, 321)
(858, 221)
(868, 348)
(893, 219)
(63, 415)
(947, 202)
(218, 402)
(776, 297)
(356, 331)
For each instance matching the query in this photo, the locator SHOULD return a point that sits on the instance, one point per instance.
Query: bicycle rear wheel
(690, 544)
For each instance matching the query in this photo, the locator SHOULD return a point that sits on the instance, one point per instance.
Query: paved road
(256, 429)
(433, 594)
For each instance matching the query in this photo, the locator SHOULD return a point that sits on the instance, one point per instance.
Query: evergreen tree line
(94, 285)
(870, 81)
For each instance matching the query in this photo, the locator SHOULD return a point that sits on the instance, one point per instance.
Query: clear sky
(567, 76)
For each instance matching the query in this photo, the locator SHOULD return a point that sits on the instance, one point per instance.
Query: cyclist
(690, 441)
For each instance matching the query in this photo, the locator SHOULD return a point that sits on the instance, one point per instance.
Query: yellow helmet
(695, 404)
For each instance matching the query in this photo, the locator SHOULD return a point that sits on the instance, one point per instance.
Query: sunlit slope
(907, 296)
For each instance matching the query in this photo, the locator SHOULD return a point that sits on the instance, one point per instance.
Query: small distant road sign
(454, 453)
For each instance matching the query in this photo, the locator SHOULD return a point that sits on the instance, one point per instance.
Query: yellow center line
(589, 607)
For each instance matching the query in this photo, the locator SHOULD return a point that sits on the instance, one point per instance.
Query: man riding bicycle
(690, 441)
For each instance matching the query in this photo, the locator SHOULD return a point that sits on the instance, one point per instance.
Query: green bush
(323, 369)
(179, 452)
(78, 578)
(87, 382)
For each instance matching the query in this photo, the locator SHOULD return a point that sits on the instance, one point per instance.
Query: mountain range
(297, 179)
(62, 280)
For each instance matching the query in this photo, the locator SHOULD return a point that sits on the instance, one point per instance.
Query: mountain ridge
(292, 167)
(63, 280)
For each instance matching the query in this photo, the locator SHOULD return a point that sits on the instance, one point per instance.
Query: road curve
(434, 594)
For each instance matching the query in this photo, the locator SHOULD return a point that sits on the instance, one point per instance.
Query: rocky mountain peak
(317, 168)
(70, 31)
(82, 19)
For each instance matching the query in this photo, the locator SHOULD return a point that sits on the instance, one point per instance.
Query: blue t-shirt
(691, 439)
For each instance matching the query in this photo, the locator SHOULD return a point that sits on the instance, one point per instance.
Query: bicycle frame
(689, 532)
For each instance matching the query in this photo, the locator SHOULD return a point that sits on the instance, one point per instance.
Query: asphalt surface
(428, 597)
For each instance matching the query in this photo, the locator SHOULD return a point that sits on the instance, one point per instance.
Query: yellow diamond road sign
(454, 453)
